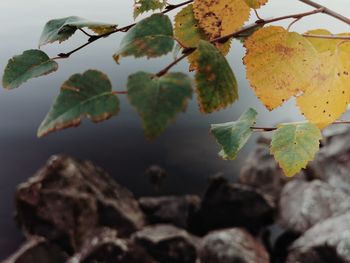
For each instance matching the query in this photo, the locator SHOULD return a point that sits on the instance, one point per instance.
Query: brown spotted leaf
(216, 83)
(327, 99)
(221, 17)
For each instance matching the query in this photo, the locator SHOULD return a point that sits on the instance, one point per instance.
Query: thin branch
(327, 11)
(186, 52)
(94, 38)
(327, 36)
(85, 33)
(116, 92)
(270, 129)
(264, 22)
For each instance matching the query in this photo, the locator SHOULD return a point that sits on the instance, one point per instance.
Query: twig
(327, 11)
(93, 38)
(269, 129)
(327, 36)
(116, 92)
(186, 52)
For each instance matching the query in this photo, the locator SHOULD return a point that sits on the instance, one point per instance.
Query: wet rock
(226, 205)
(332, 163)
(104, 246)
(232, 246)
(68, 199)
(38, 250)
(261, 171)
(167, 243)
(328, 241)
(156, 175)
(175, 210)
(304, 204)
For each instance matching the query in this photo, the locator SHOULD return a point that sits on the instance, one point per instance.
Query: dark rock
(232, 246)
(156, 175)
(328, 241)
(169, 209)
(68, 199)
(226, 205)
(38, 250)
(168, 244)
(332, 163)
(261, 171)
(280, 247)
(104, 246)
(303, 204)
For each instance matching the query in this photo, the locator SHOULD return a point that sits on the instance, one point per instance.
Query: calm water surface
(185, 150)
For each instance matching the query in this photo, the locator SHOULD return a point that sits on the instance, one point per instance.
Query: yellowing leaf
(189, 33)
(329, 96)
(294, 145)
(280, 64)
(256, 3)
(142, 6)
(221, 17)
(216, 83)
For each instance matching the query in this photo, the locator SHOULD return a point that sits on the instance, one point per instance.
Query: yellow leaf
(280, 64)
(329, 96)
(256, 3)
(221, 17)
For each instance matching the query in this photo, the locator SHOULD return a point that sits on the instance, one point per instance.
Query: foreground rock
(328, 241)
(304, 204)
(332, 163)
(68, 199)
(230, 246)
(104, 246)
(168, 244)
(261, 171)
(169, 209)
(226, 205)
(38, 250)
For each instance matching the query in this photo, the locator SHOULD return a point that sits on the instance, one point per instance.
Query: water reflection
(185, 150)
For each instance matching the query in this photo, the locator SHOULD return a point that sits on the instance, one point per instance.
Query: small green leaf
(151, 37)
(31, 64)
(142, 6)
(82, 95)
(294, 145)
(232, 136)
(63, 28)
(216, 83)
(158, 100)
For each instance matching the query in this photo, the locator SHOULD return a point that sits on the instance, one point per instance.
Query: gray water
(185, 150)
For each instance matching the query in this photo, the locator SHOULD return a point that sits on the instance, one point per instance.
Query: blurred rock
(156, 175)
(68, 199)
(38, 250)
(104, 246)
(169, 209)
(226, 205)
(332, 163)
(168, 244)
(328, 241)
(232, 246)
(261, 171)
(304, 204)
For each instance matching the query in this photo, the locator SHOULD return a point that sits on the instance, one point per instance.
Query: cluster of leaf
(280, 65)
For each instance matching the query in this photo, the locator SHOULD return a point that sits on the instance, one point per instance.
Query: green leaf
(158, 100)
(151, 37)
(30, 64)
(216, 83)
(63, 28)
(142, 6)
(82, 95)
(232, 136)
(294, 145)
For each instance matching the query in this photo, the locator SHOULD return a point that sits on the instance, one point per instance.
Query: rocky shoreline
(72, 211)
